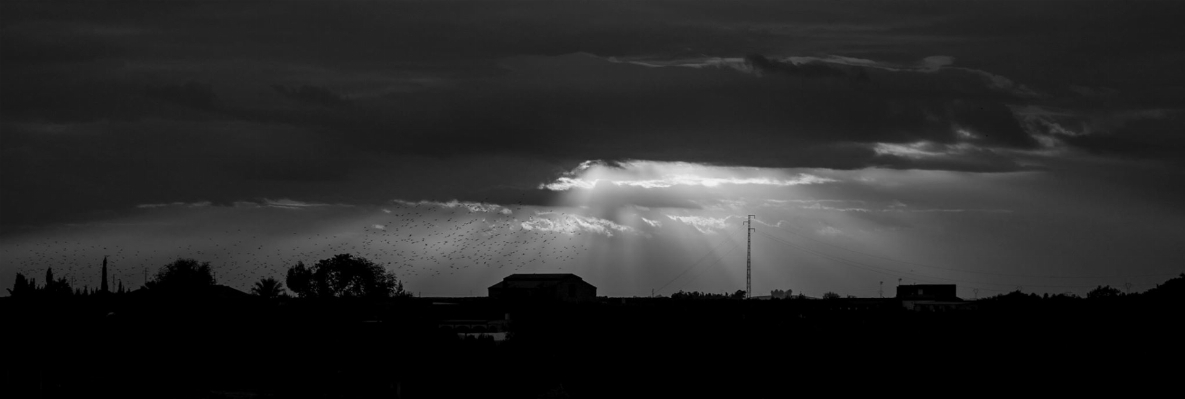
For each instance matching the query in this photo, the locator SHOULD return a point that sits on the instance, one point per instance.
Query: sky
(996, 145)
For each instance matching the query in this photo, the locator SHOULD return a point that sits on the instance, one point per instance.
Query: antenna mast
(749, 257)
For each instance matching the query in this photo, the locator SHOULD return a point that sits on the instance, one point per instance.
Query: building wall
(584, 292)
(568, 291)
(926, 291)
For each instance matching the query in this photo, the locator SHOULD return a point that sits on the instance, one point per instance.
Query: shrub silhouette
(344, 276)
(1103, 292)
(183, 275)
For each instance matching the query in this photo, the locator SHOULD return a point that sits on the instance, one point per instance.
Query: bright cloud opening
(651, 174)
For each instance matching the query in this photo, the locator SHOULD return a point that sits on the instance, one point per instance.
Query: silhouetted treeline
(143, 345)
(696, 295)
(1172, 290)
(343, 275)
(53, 288)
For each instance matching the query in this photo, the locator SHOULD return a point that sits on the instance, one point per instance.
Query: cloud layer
(174, 102)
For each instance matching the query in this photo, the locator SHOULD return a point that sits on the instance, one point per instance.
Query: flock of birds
(417, 242)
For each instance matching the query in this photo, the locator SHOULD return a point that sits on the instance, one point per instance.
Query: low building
(933, 292)
(930, 297)
(544, 287)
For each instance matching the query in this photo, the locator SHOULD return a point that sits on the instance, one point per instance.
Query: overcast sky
(1033, 145)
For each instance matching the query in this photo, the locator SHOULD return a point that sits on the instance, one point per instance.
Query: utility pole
(749, 257)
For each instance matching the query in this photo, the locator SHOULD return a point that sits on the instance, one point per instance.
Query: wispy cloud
(692, 180)
(704, 224)
(923, 149)
(652, 223)
(290, 204)
(572, 224)
(176, 204)
(723, 205)
(821, 207)
(898, 207)
(775, 225)
(284, 203)
(829, 231)
(471, 206)
(566, 183)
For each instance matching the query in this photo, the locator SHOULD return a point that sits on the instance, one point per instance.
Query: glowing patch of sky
(993, 232)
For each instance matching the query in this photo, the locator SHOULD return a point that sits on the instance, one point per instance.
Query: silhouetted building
(927, 292)
(930, 297)
(544, 287)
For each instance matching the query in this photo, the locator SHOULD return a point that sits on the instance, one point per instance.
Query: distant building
(544, 287)
(927, 292)
(930, 297)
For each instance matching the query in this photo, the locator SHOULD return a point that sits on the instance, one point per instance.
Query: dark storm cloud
(312, 95)
(190, 94)
(111, 105)
(1152, 135)
(581, 106)
(64, 170)
(47, 46)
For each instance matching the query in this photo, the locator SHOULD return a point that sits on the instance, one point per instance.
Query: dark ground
(157, 347)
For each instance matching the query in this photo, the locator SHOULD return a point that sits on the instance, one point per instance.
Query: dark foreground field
(160, 347)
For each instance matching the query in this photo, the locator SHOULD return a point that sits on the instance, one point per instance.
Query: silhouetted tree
(268, 288)
(740, 294)
(830, 295)
(300, 280)
(58, 287)
(183, 275)
(23, 286)
(1103, 292)
(344, 276)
